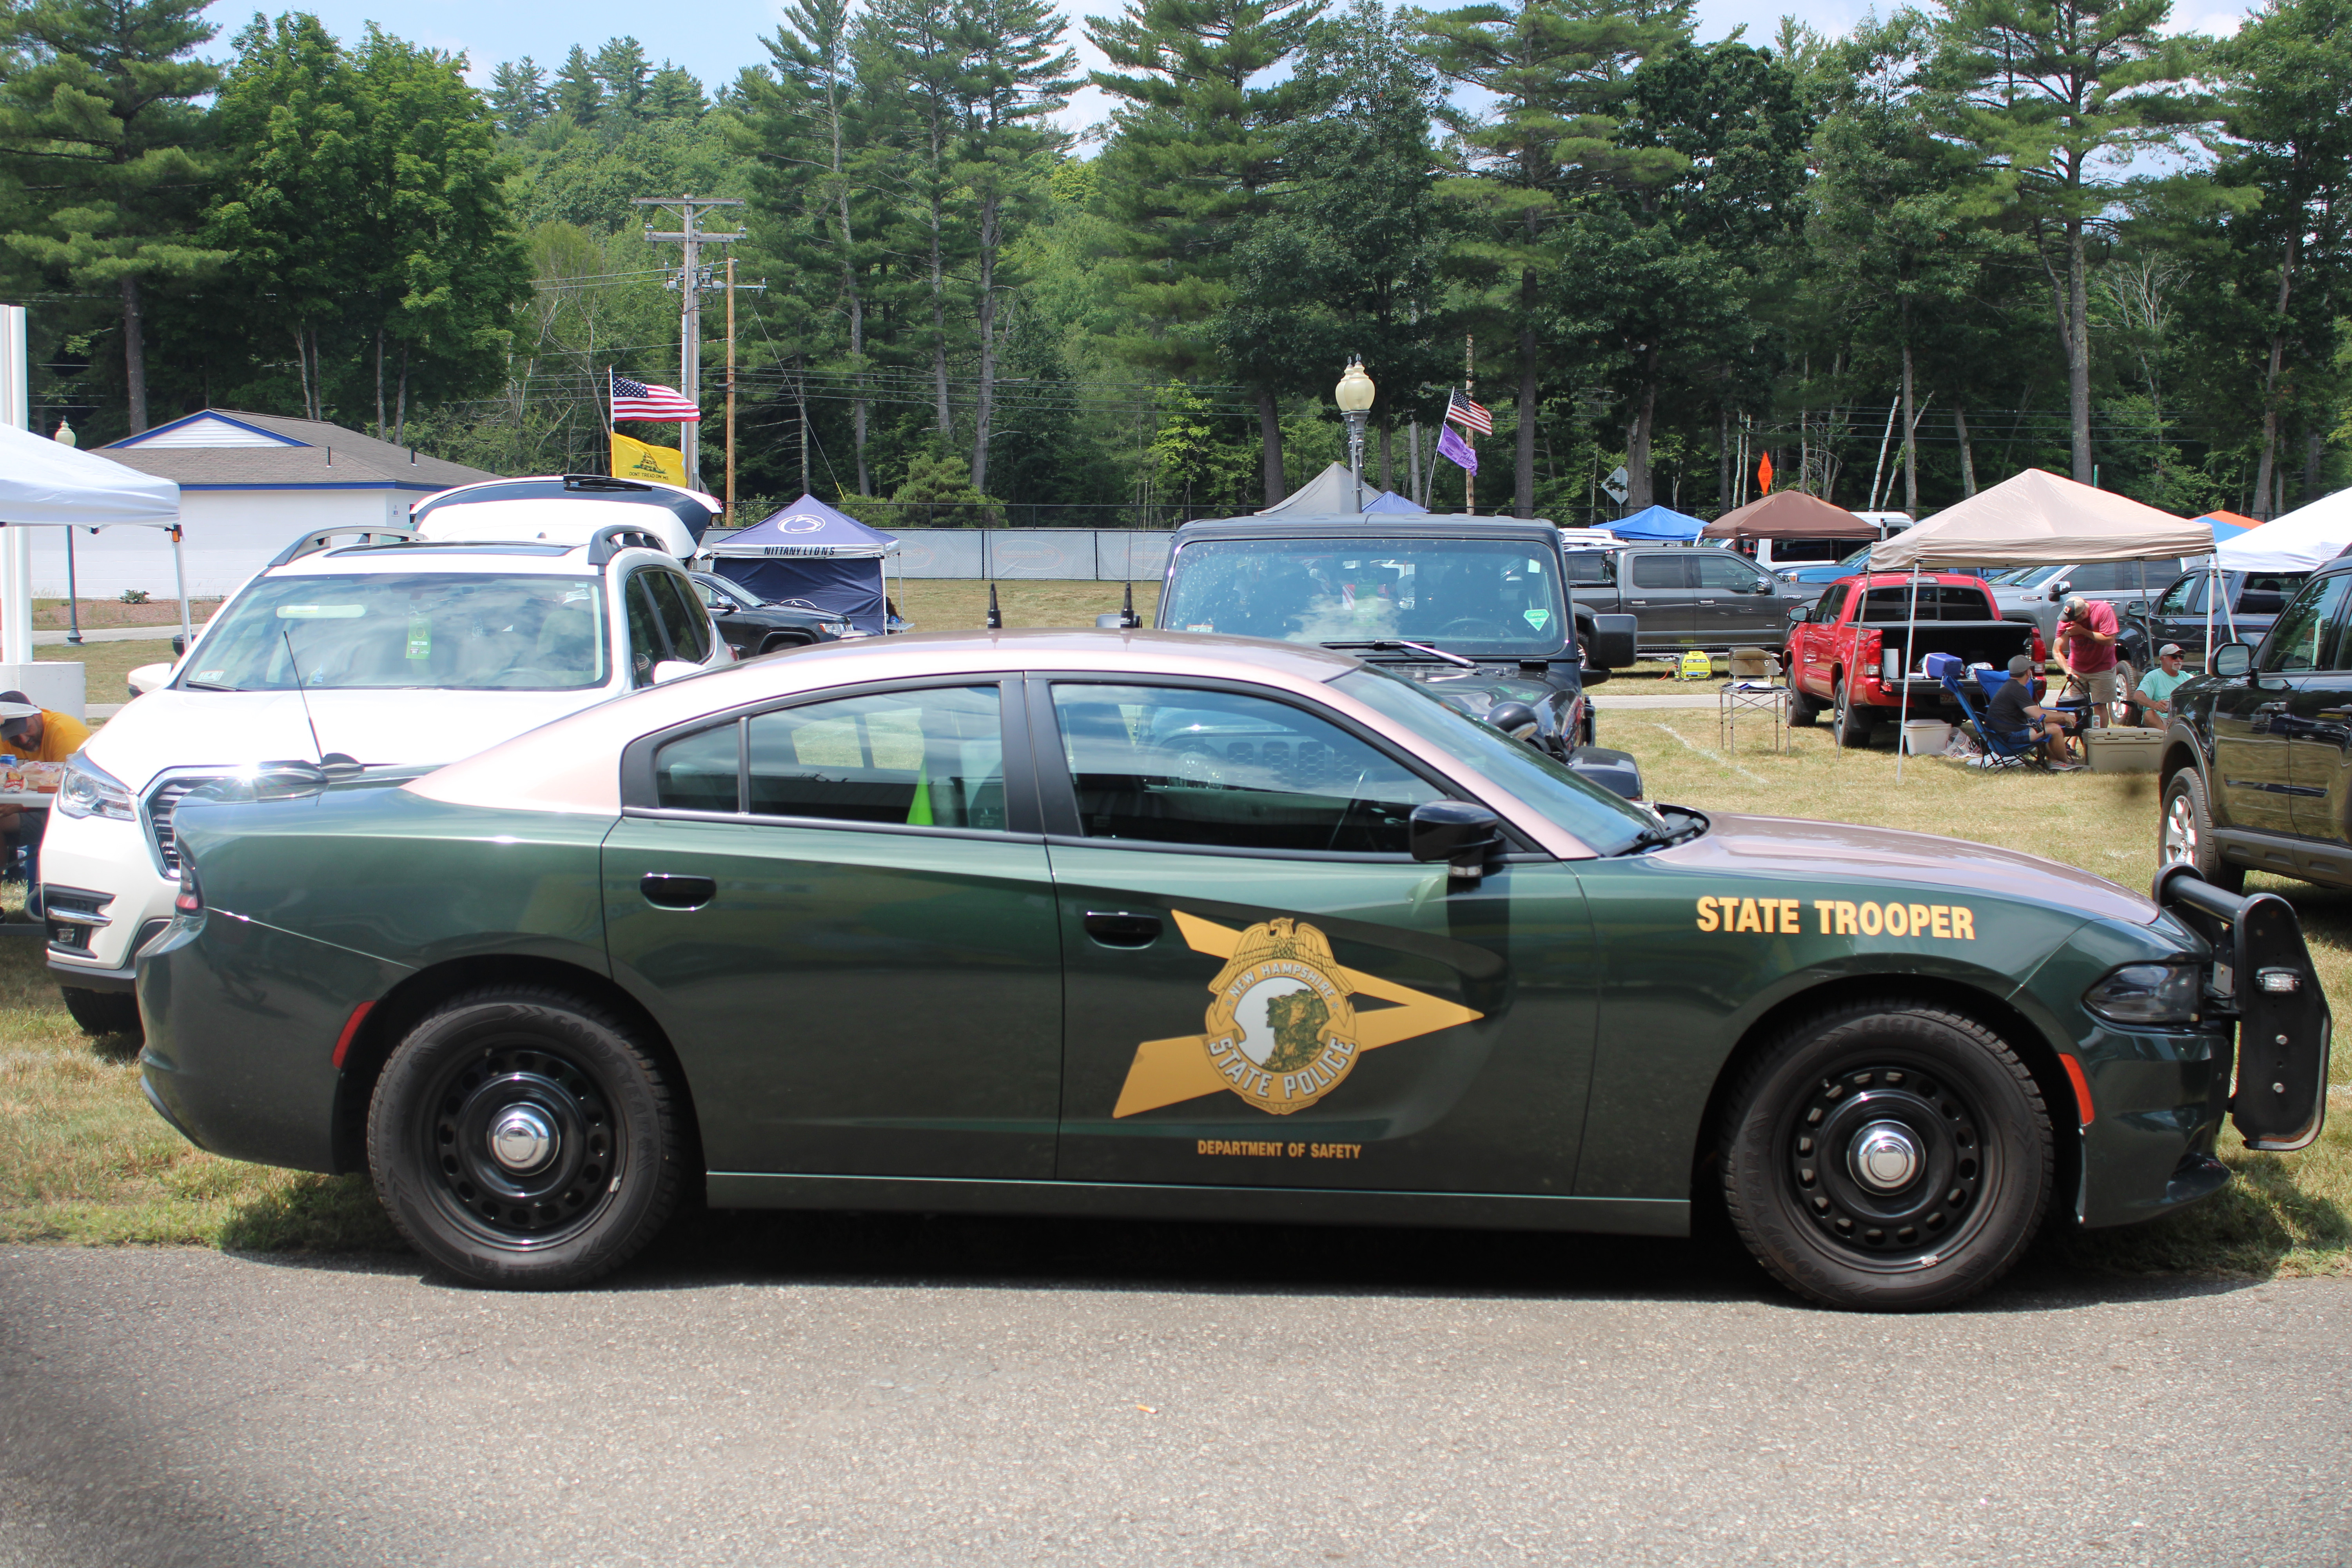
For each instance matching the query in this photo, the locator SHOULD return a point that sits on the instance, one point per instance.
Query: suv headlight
(2147, 993)
(838, 628)
(89, 790)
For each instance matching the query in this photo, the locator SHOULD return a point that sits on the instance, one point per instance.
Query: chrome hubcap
(1884, 1156)
(2179, 832)
(523, 1139)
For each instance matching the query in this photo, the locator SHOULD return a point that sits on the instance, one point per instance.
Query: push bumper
(2262, 977)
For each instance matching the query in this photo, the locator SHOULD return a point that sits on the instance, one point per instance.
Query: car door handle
(674, 892)
(1118, 929)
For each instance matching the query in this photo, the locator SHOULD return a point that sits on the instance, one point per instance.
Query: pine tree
(99, 128)
(518, 95)
(621, 65)
(578, 91)
(675, 94)
(1194, 160)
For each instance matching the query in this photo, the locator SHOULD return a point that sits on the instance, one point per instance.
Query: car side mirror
(1798, 613)
(179, 646)
(1466, 837)
(1614, 638)
(2058, 590)
(2233, 660)
(671, 668)
(724, 605)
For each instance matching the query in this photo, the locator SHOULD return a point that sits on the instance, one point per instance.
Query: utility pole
(691, 238)
(730, 514)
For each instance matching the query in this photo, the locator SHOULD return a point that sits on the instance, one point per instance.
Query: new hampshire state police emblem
(1281, 1029)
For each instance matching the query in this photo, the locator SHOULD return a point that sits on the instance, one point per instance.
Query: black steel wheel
(1887, 1157)
(103, 1012)
(2185, 836)
(521, 1139)
(1849, 724)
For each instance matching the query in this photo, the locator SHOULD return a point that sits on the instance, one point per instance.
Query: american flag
(1468, 415)
(644, 400)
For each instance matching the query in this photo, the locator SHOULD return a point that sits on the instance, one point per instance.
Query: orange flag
(1764, 475)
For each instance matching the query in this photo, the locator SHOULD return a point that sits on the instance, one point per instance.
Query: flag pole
(1470, 391)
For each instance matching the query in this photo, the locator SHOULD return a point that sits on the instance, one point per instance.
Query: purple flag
(1449, 445)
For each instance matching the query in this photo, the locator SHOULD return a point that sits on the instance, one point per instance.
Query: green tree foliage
(579, 90)
(102, 142)
(1192, 166)
(518, 96)
(622, 68)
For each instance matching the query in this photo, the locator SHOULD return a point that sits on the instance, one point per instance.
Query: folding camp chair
(2003, 752)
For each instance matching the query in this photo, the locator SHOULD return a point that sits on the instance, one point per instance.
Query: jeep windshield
(1495, 598)
(386, 631)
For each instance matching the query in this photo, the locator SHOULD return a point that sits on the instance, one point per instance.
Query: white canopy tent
(2302, 540)
(2035, 518)
(45, 485)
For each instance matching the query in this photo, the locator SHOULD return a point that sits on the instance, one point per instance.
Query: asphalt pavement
(903, 1390)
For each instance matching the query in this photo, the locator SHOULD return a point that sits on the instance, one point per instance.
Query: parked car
(1473, 608)
(752, 626)
(394, 652)
(2244, 613)
(2256, 773)
(1860, 654)
(2038, 593)
(1146, 926)
(1682, 597)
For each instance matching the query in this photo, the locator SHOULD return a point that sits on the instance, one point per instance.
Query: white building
(249, 484)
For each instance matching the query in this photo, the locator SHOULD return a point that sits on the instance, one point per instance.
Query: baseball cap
(2075, 605)
(2168, 648)
(2020, 667)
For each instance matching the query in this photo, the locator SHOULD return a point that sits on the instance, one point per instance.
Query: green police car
(1184, 925)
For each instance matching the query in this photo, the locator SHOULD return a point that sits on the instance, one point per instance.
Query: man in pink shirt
(2086, 649)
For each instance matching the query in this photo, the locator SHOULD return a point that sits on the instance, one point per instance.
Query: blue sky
(714, 38)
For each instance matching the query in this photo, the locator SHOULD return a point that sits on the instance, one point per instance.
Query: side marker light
(350, 1031)
(2082, 1090)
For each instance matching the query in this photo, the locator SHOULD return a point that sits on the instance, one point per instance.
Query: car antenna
(329, 761)
(995, 621)
(1127, 610)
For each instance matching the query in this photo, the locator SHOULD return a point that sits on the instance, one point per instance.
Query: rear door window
(681, 616)
(1660, 572)
(1723, 572)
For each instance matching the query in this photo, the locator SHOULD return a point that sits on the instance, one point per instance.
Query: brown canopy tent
(1790, 514)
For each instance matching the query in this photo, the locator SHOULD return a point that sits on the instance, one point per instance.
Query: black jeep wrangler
(1475, 608)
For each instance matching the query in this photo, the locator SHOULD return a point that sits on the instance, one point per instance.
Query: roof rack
(614, 538)
(318, 539)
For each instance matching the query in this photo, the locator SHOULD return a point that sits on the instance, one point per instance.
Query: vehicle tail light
(191, 898)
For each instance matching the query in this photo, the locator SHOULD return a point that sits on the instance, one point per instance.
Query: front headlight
(838, 628)
(89, 790)
(2146, 994)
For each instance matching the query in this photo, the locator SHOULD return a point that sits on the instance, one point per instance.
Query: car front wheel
(2185, 835)
(523, 1139)
(1887, 1157)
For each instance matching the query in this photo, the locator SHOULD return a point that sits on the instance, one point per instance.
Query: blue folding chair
(2005, 751)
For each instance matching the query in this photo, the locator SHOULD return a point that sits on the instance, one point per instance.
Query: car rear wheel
(1887, 1157)
(2185, 834)
(102, 1012)
(521, 1139)
(1848, 722)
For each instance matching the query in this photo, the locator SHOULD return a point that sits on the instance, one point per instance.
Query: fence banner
(1033, 554)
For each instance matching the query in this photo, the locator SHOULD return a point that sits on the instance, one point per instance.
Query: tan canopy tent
(2037, 518)
(1790, 514)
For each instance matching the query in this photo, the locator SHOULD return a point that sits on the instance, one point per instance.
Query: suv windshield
(1607, 823)
(439, 630)
(1495, 597)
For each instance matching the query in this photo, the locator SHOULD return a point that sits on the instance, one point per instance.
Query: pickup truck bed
(1861, 653)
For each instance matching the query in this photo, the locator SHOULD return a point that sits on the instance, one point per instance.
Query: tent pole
(180, 570)
(1903, 708)
(2212, 589)
(73, 594)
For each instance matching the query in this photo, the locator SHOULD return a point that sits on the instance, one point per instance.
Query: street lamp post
(1354, 394)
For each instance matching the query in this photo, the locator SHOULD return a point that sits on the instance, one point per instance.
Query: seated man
(2151, 694)
(2017, 718)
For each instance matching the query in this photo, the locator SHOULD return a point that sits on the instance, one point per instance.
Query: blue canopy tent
(810, 556)
(1652, 523)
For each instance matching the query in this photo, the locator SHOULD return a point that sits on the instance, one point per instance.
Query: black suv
(752, 625)
(2251, 602)
(2257, 768)
(1476, 609)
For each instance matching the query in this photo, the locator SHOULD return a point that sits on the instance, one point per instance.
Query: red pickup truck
(1859, 652)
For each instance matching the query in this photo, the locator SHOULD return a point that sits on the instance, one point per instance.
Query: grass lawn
(110, 664)
(82, 1159)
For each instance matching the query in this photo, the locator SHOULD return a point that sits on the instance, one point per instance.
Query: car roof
(1369, 525)
(458, 558)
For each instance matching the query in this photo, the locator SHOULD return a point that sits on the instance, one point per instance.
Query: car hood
(1475, 691)
(179, 729)
(1738, 843)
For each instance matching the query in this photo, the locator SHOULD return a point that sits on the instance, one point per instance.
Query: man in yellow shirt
(40, 735)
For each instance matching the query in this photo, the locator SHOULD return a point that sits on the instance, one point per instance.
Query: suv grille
(161, 801)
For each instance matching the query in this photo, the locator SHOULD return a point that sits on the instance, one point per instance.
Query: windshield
(2034, 577)
(431, 630)
(1491, 597)
(1608, 823)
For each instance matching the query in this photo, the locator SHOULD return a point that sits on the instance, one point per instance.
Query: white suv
(397, 652)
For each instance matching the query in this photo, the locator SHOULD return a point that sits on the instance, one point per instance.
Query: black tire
(2184, 833)
(1850, 724)
(608, 1173)
(104, 1012)
(1803, 709)
(1966, 1117)
(781, 644)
